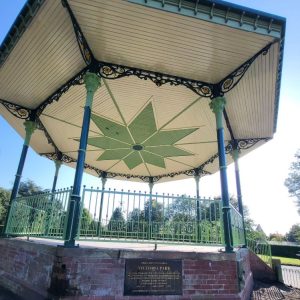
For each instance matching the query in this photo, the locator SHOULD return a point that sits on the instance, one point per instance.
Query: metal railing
(39, 215)
(112, 214)
(262, 249)
(237, 227)
(129, 216)
(291, 275)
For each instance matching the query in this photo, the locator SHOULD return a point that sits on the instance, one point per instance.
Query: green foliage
(294, 234)
(4, 201)
(28, 188)
(156, 211)
(277, 237)
(285, 251)
(292, 182)
(288, 261)
(117, 220)
(182, 210)
(253, 231)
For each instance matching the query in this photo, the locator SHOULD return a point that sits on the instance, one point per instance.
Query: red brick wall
(86, 273)
(25, 267)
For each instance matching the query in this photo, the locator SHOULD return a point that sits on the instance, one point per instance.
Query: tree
(294, 234)
(276, 237)
(4, 200)
(117, 220)
(292, 182)
(29, 187)
(253, 231)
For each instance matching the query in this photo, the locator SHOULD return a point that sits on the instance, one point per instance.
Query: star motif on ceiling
(139, 142)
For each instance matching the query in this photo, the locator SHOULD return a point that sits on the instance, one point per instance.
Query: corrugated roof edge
(19, 26)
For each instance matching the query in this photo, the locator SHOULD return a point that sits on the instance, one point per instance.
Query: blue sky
(262, 171)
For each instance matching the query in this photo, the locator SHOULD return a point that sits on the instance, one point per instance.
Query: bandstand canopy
(161, 63)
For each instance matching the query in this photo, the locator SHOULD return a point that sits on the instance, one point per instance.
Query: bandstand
(140, 90)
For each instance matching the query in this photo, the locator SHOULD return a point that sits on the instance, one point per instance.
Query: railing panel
(39, 215)
(136, 216)
(237, 227)
(262, 249)
(112, 214)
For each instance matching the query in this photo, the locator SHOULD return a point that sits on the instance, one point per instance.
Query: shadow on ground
(8, 295)
(274, 291)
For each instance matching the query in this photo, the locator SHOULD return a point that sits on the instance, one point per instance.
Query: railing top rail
(146, 194)
(235, 210)
(48, 193)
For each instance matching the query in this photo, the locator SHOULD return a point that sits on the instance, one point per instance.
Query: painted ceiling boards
(152, 117)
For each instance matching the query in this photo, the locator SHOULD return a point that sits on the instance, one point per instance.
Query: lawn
(288, 261)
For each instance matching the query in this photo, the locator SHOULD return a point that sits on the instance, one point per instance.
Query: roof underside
(139, 128)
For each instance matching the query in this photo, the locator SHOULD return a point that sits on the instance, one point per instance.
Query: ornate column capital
(217, 104)
(30, 126)
(92, 83)
(57, 163)
(235, 154)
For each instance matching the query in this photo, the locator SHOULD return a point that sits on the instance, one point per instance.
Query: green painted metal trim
(29, 10)
(222, 13)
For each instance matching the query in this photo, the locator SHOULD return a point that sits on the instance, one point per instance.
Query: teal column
(217, 105)
(197, 180)
(30, 126)
(151, 185)
(103, 180)
(92, 83)
(58, 164)
(235, 156)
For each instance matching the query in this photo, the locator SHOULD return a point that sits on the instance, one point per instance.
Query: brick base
(44, 271)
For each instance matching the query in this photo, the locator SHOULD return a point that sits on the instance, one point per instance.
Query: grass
(288, 261)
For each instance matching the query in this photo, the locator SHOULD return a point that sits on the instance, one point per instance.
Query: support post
(30, 126)
(235, 156)
(92, 83)
(217, 105)
(58, 164)
(50, 203)
(151, 184)
(103, 179)
(197, 180)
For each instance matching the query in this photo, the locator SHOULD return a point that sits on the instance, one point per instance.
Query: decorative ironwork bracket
(85, 50)
(47, 135)
(244, 144)
(241, 144)
(114, 71)
(231, 80)
(18, 111)
(76, 80)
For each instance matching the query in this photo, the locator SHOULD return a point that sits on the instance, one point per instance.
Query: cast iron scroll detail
(231, 80)
(17, 110)
(244, 144)
(85, 50)
(41, 126)
(76, 80)
(114, 71)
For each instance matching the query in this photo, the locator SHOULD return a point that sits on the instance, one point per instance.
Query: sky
(262, 171)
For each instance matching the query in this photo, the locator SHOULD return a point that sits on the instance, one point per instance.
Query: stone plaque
(153, 277)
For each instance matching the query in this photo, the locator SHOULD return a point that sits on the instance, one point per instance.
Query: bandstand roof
(161, 63)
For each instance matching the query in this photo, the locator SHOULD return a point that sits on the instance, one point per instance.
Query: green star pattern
(139, 142)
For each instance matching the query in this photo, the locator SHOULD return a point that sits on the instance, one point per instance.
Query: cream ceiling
(47, 56)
